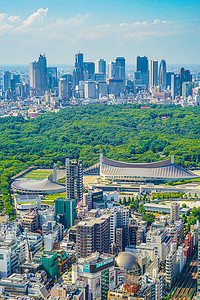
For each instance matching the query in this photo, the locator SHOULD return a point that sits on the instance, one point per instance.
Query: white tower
(54, 173)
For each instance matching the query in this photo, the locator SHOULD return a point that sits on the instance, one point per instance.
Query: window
(1, 256)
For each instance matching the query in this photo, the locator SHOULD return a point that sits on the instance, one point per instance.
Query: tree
(149, 218)
(124, 201)
(184, 218)
(141, 209)
(184, 205)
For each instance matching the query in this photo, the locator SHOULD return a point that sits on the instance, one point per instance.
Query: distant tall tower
(100, 66)
(185, 76)
(6, 81)
(142, 67)
(120, 68)
(78, 69)
(142, 64)
(89, 69)
(38, 75)
(153, 73)
(111, 69)
(175, 86)
(163, 74)
(74, 180)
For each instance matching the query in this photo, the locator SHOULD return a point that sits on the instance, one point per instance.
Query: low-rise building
(99, 270)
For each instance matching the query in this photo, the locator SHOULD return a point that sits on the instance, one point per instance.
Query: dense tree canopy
(122, 132)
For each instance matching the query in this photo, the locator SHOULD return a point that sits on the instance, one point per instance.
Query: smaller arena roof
(44, 186)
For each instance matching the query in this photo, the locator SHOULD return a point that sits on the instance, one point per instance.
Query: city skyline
(159, 30)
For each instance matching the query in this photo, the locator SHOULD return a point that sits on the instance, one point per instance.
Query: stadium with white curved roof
(164, 170)
(48, 185)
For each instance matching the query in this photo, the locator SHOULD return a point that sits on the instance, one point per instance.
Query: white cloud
(36, 18)
(156, 21)
(14, 20)
(38, 29)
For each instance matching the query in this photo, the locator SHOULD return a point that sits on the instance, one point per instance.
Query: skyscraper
(38, 75)
(186, 89)
(111, 69)
(64, 88)
(52, 77)
(153, 73)
(185, 76)
(90, 90)
(78, 69)
(6, 80)
(169, 75)
(163, 74)
(120, 68)
(74, 180)
(89, 69)
(175, 86)
(77, 76)
(100, 66)
(142, 64)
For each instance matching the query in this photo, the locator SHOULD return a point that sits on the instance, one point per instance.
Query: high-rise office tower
(163, 74)
(64, 88)
(74, 180)
(100, 66)
(111, 69)
(116, 86)
(93, 235)
(185, 76)
(65, 211)
(16, 78)
(142, 64)
(6, 80)
(175, 211)
(102, 88)
(77, 76)
(52, 77)
(38, 75)
(12, 85)
(90, 90)
(120, 68)
(175, 86)
(186, 89)
(33, 74)
(168, 78)
(153, 73)
(89, 69)
(142, 68)
(78, 69)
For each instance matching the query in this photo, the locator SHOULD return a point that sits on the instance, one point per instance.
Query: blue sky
(100, 29)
